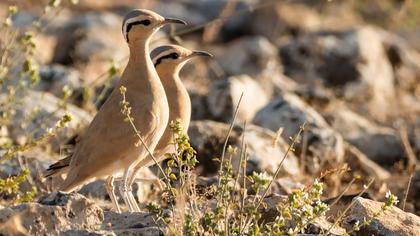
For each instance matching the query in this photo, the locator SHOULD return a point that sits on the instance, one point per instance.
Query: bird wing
(109, 140)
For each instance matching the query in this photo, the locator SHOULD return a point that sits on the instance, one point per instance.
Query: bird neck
(139, 56)
(169, 77)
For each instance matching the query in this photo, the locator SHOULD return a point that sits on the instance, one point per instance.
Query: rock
(414, 193)
(315, 57)
(86, 40)
(355, 61)
(84, 232)
(55, 77)
(224, 95)
(144, 191)
(176, 10)
(34, 160)
(316, 96)
(323, 144)
(249, 55)
(392, 222)
(137, 223)
(73, 214)
(43, 109)
(232, 27)
(81, 42)
(256, 57)
(56, 213)
(207, 137)
(378, 143)
(359, 161)
(45, 46)
(321, 225)
(318, 226)
(405, 60)
(279, 20)
(200, 108)
(376, 71)
(13, 226)
(272, 201)
(285, 186)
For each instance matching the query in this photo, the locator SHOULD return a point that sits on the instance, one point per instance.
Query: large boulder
(321, 144)
(208, 137)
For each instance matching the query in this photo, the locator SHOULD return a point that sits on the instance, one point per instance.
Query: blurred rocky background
(349, 69)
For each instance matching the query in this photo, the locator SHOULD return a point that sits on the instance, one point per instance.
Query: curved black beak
(200, 54)
(173, 21)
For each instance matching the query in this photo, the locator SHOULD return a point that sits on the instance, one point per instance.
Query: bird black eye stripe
(142, 22)
(172, 56)
(130, 25)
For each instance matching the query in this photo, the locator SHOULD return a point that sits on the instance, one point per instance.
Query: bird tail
(57, 168)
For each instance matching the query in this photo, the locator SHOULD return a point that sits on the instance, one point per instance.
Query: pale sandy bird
(168, 61)
(107, 147)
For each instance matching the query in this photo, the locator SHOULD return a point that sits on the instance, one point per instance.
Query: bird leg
(130, 183)
(124, 189)
(109, 186)
(131, 198)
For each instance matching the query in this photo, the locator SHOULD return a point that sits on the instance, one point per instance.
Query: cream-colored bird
(168, 61)
(107, 147)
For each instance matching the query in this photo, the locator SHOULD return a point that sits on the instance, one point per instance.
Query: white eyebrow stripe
(162, 54)
(131, 20)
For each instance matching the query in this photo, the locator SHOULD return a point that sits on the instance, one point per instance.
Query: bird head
(171, 58)
(141, 24)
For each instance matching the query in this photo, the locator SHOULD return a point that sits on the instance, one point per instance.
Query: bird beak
(200, 54)
(173, 21)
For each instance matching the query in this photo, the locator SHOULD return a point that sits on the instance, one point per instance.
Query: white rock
(224, 95)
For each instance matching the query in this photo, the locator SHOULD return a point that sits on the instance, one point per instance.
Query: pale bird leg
(132, 199)
(130, 195)
(109, 186)
(124, 189)
(156, 181)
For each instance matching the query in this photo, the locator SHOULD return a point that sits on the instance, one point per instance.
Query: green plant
(19, 75)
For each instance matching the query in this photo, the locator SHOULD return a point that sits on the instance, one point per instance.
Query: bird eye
(175, 56)
(146, 22)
